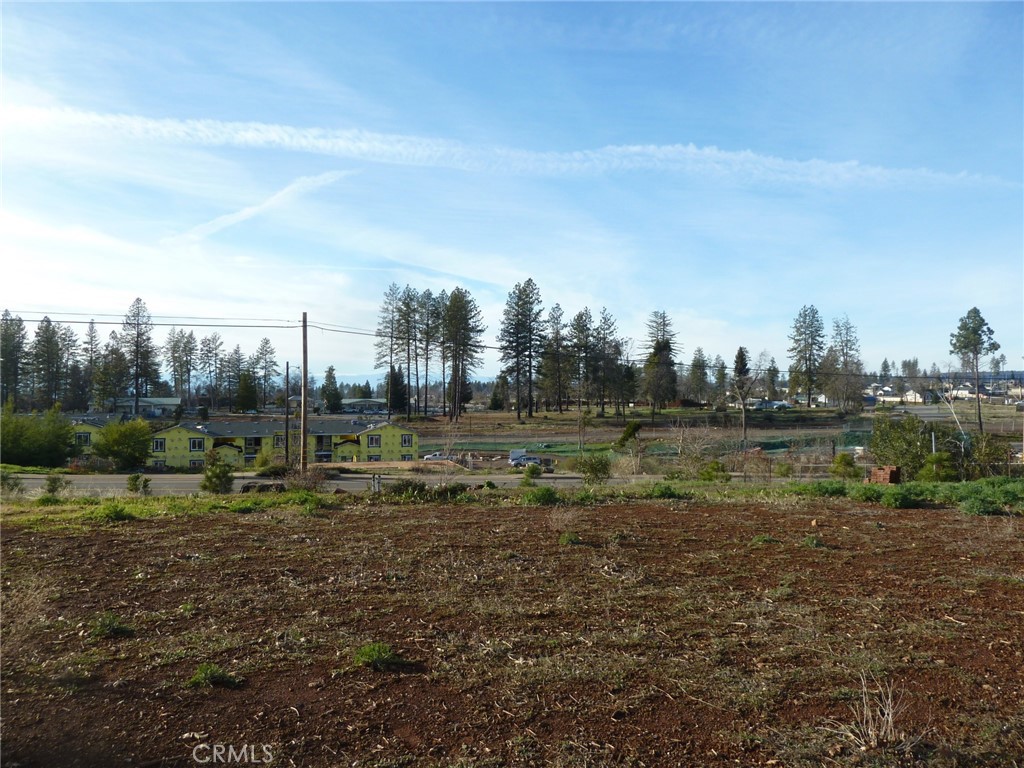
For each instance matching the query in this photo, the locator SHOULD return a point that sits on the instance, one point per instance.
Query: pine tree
(807, 348)
(329, 391)
(973, 340)
(521, 341)
(13, 350)
(136, 340)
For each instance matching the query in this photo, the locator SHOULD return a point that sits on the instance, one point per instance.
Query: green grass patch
(209, 675)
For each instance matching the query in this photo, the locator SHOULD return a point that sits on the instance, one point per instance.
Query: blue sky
(727, 163)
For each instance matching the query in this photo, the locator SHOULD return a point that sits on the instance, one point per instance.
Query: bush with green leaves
(715, 471)
(595, 468)
(542, 495)
(784, 469)
(938, 467)
(820, 489)
(126, 443)
(866, 492)
(36, 440)
(902, 497)
(665, 491)
(845, 467)
(11, 483)
(138, 484)
(218, 476)
(569, 539)
(56, 484)
(982, 505)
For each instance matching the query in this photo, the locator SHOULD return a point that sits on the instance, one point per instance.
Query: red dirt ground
(670, 636)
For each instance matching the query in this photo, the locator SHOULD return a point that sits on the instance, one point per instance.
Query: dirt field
(670, 634)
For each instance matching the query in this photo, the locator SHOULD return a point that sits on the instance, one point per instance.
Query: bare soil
(673, 634)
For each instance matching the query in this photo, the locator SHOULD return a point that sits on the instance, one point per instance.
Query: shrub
(542, 495)
(584, 496)
(784, 469)
(314, 479)
(828, 488)
(273, 470)
(869, 492)
(665, 491)
(208, 675)
(844, 467)
(981, 505)
(901, 497)
(715, 471)
(595, 468)
(938, 467)
(532, 471)
(11, 483)
(56, 484)
(113, 512)
(126, 443)
(217, 476)
(569, 538)
(138, 484)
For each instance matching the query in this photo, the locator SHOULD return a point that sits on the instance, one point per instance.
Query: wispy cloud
(742, 167)
(297, 188)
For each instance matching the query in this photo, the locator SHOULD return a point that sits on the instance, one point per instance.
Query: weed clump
(569, 538)
(542, 495)
(109, 625)
(113, 512)
(208, 675)
(764, 538)
(377, 656)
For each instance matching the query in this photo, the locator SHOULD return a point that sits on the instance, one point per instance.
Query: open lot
(663, 633)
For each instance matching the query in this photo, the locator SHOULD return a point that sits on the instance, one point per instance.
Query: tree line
(430, 345)
(55, 367)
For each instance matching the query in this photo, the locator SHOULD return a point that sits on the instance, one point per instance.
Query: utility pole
(287, 411)
(304, 429)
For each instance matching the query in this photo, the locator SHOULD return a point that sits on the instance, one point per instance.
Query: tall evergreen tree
(660, 365)
(329, 391)
(697, 378)
(47, 365)
(973, 340)
(388, 342)
(806, 350)
(463, 330)
(136, 340)
(521, 341)
(580, 343)
(211, 351)
(266, 368)
(430, 313)
(552, 373)
(14, 345)
(841, 367)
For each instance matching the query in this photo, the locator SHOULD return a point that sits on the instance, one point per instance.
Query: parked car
(439, 457)
(522, 461)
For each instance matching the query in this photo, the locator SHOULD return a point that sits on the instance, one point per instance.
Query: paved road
(183, 485)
